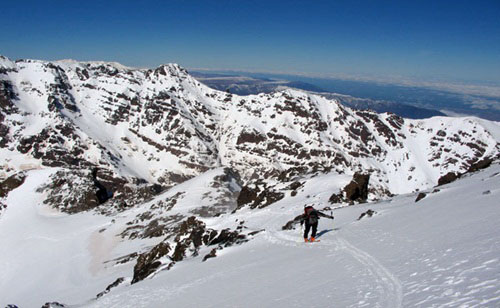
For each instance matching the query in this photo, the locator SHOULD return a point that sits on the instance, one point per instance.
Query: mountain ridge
(192, 121)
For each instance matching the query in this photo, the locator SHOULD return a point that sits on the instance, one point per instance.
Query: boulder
(292, 223)
(212, 254)
(368, 213)
(420, 196)
(52, 305)
(357, 189)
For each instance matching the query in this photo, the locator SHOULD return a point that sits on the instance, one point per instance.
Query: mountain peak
(6, 63)
(172, 69)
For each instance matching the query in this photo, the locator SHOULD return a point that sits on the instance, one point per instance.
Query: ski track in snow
(390, 290)
(388, 285)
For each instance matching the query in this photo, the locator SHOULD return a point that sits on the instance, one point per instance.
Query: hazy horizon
(447, 41)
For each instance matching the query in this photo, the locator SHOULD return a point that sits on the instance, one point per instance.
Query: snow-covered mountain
(162, 126)
(111, 175)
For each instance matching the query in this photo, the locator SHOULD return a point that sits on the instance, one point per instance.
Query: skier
(310, 218)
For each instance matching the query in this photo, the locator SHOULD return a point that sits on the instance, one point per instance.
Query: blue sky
(449, 40)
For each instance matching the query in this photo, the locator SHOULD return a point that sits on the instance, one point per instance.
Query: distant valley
(406, 101)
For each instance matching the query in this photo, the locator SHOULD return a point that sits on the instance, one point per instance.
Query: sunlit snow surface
(442, 251)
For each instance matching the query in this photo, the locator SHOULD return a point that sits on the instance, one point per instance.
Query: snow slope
(45, 253)
(442, 251)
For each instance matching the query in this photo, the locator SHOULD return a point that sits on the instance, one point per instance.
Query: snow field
(442, 251)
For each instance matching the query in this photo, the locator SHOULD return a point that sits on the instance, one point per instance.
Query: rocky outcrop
(420, 196)
(188, 238)
(11, 183)
(248, 195)
(258, 195)
(355, 191)
(102, 193)
(192, 234)
(7, 107)
(70, 191)
(473, 167)
(482, 164)
(212, 254)
(227, 238)
(8, 185)
(368, 213)
(336, 198)
(148, 263)
(290, 225)
(116, 283)
(53, 305)
(250, 137)
(448, 178)
(148, 225)
(77, 190)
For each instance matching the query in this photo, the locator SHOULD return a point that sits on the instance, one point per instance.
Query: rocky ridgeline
(190, 236)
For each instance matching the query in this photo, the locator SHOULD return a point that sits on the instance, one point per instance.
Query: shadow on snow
(326, 231)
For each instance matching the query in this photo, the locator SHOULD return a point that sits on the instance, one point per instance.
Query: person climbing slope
(311, 218)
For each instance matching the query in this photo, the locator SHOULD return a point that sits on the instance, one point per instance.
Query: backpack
(311, 215)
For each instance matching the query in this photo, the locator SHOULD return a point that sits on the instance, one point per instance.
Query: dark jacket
(311, 216)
